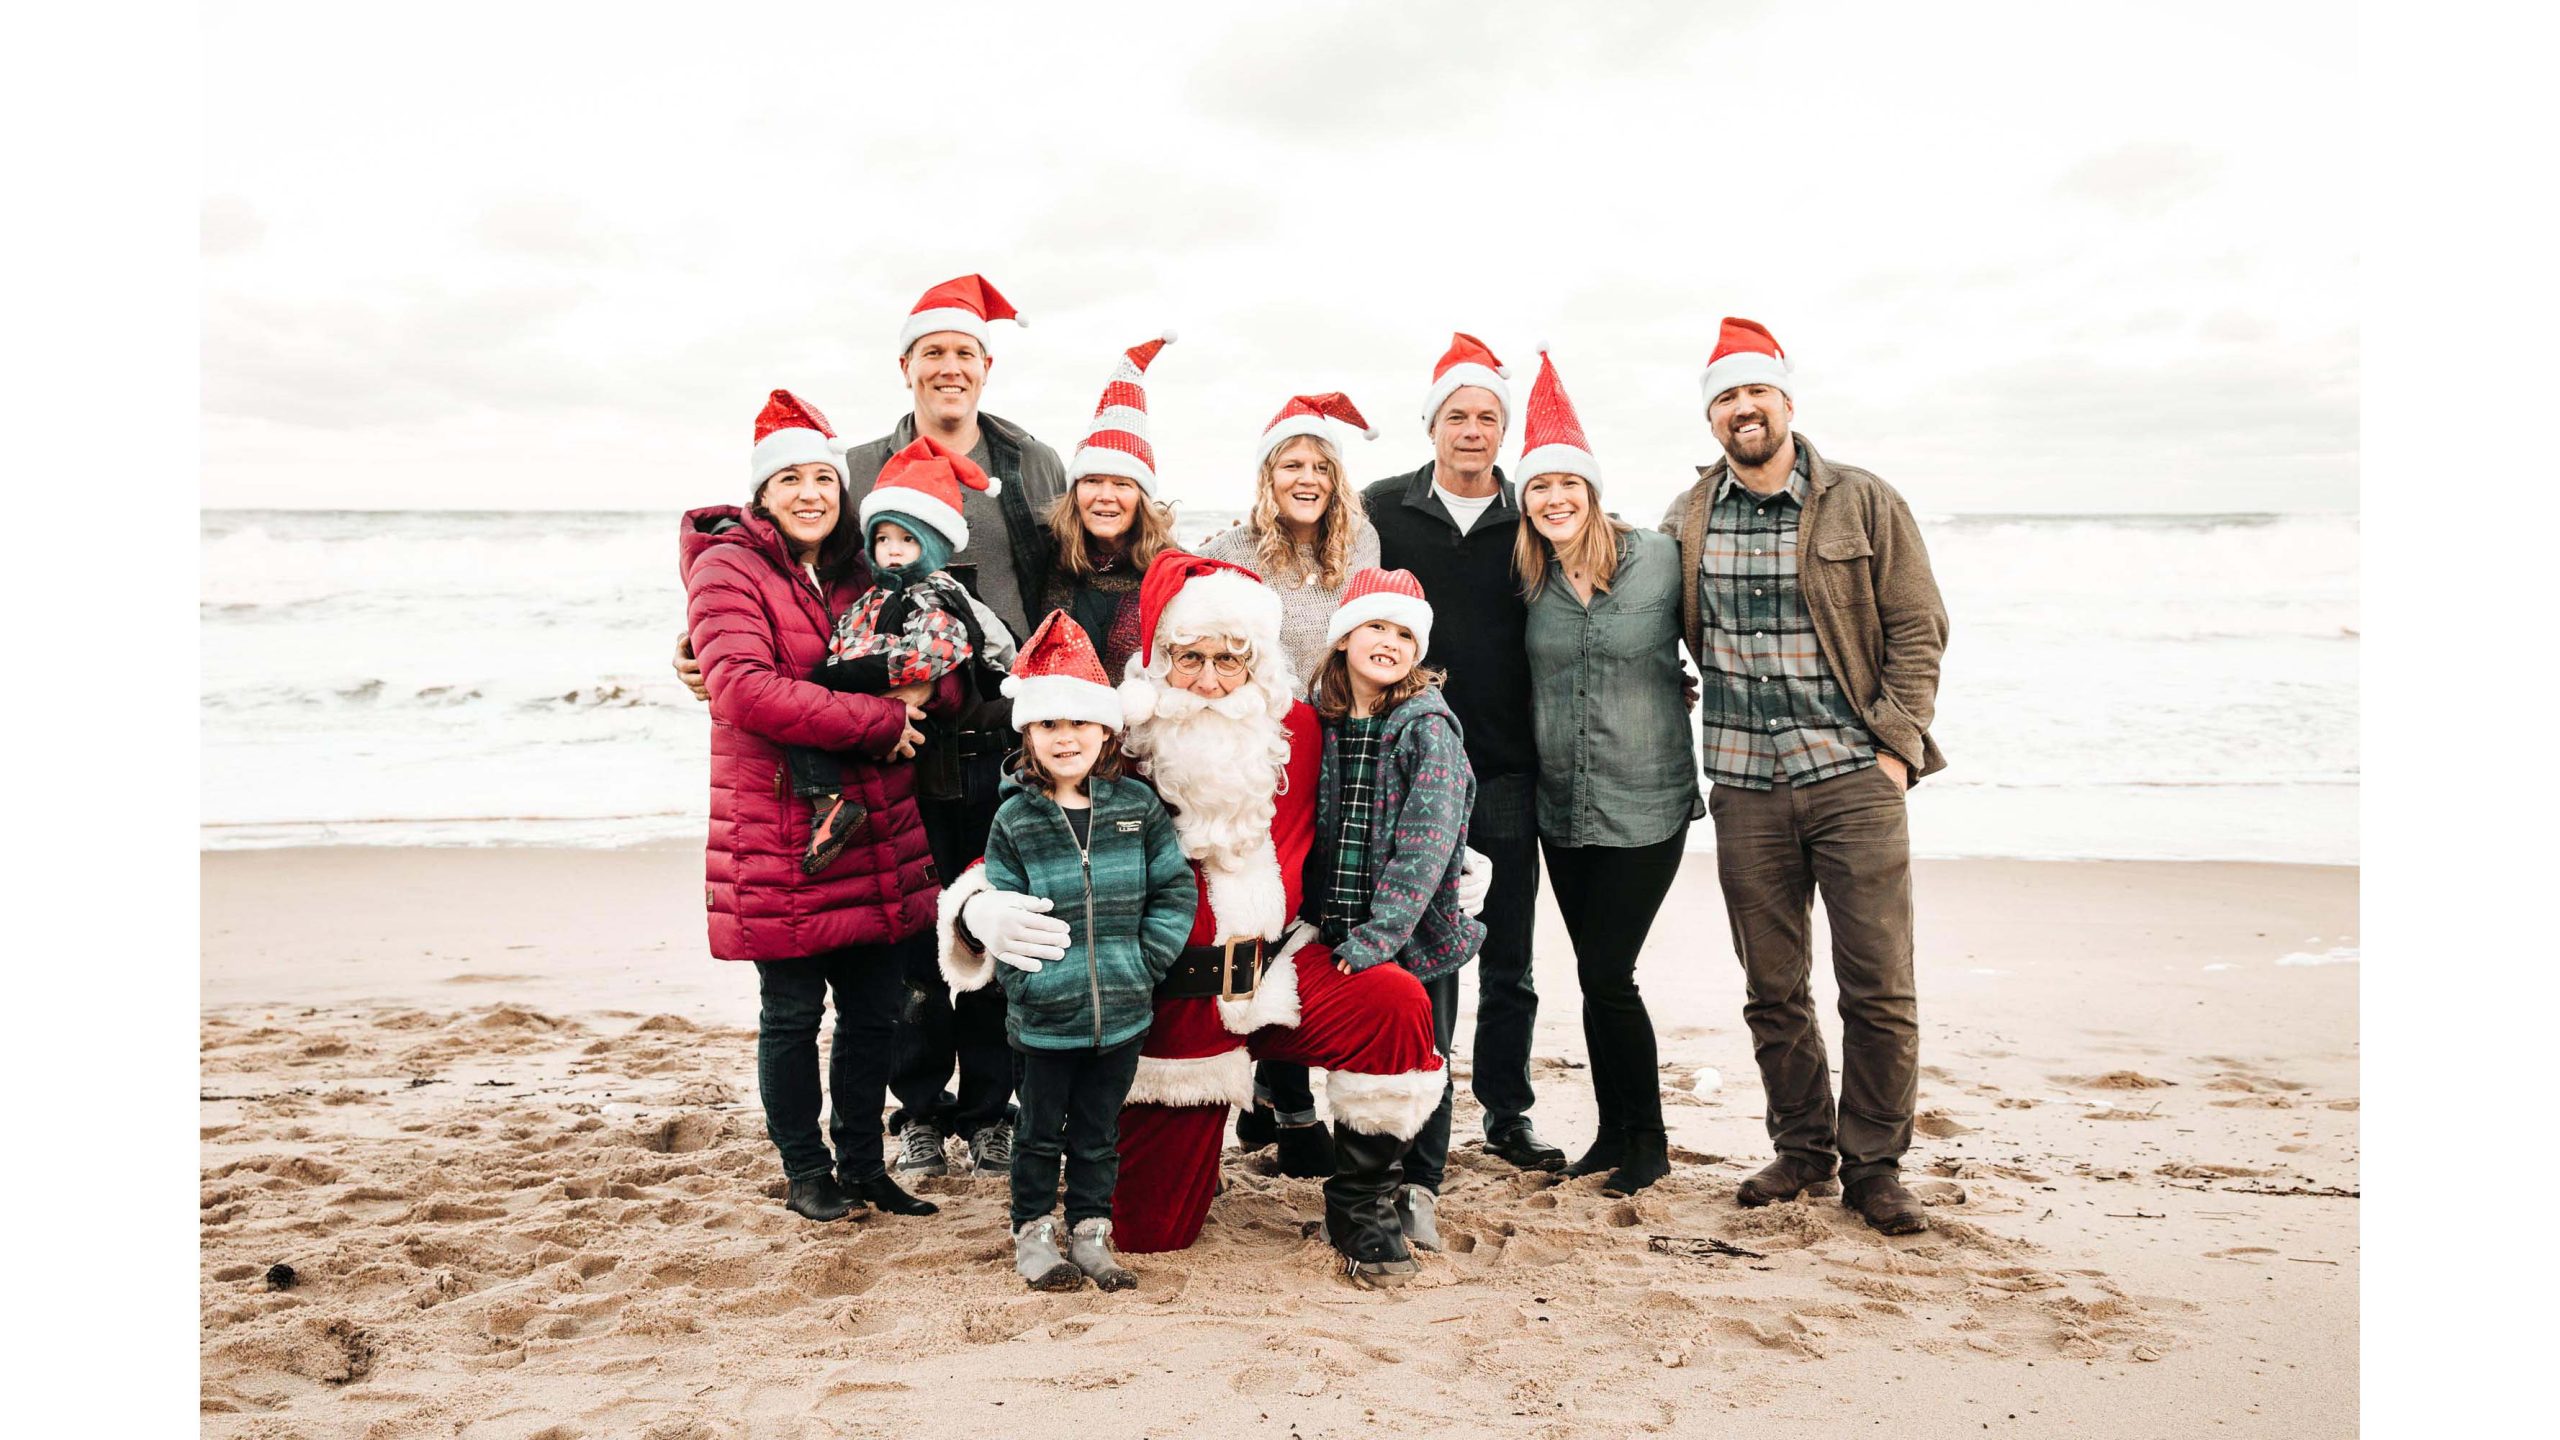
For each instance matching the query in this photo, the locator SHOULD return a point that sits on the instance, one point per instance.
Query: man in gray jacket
(944, 359)
(1818, 625)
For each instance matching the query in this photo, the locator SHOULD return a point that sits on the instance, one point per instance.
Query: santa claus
(1216, 726)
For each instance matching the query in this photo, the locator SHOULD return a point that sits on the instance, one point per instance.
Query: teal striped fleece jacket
(1128, 912)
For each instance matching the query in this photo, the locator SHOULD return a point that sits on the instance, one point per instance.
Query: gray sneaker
(1089, 1246)
(991, 1149)
(1036, 1257)
(920, 1151)
(1418, 1213)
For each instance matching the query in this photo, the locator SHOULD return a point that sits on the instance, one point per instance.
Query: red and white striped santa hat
(1057, 676)
(1551, 441)
(1391, 595)
(1467, 362)
(790, 431)
(926, 481)
(965, 305)
(1313, 415)
(1746, 354)
(1116, 442)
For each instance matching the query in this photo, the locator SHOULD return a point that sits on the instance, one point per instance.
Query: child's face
(1067, 749)
(1380, 653)
(892, 546)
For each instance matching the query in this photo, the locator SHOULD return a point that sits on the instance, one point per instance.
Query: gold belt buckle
(1227, 965)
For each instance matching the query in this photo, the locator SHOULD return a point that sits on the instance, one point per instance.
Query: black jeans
(865, 980)
(1071, 1111)
(1504, 830)
(1608, 896)
(933, 1032)
(1426, 1160)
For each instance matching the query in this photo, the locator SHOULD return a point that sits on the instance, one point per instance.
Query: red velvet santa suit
(1370, 1032)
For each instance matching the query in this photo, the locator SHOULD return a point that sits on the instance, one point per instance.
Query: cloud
(230, 226)
(2141, 179)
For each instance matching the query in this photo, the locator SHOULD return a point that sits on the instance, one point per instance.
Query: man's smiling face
(945, 370)
(1750, 422)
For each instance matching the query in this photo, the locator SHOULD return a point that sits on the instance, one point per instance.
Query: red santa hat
(1313, 415)
(1390, 595)
(1746, 354)
(1467, 362)
(1116, 442)
(1551, 441)
(1186, 594)
(965, 305)
(926, 481)
(1057, 676)
(790, 431)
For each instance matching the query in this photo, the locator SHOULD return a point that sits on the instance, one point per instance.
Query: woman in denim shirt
(1617, 769)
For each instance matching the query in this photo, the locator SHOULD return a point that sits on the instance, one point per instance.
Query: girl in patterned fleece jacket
(1391, 832)
(915, 625)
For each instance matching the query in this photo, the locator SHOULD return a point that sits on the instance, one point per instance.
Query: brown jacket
(1866, 583)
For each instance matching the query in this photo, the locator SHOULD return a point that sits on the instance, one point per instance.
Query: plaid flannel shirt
(1346, 889)
(1769, 704)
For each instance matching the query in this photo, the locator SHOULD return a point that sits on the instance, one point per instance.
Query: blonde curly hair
(1275, 553)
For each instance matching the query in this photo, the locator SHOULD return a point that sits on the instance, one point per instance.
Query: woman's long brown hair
(1274, 552)
(1150, 534)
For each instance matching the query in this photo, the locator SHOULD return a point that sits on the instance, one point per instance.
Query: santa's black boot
(1360, 1208)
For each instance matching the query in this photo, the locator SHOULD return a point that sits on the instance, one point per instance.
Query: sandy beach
(496, 1111)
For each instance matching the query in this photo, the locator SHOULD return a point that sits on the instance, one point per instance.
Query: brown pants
(1846, 837)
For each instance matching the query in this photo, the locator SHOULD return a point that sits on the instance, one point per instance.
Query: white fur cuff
(1394, 1105)
(1225, 1078)
(962, 969)
(1274, 1001)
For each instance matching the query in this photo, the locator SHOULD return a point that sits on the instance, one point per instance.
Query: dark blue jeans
(867, 981)
(1504, 829)
(1071, 1103)
(934, 1032)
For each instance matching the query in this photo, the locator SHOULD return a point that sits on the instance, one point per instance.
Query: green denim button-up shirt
(1617, 764)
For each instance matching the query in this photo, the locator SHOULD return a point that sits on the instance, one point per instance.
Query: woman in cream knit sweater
(1306, 535)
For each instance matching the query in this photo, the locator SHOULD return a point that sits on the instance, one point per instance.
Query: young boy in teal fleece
(1101, 849)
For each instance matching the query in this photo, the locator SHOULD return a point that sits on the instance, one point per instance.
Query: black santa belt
(1227, 970)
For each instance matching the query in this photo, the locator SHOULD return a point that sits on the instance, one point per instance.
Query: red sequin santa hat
(926, 481)
(1116, 442)
(1057, 676)
(1313, 415)
(1746, 354)
(1390, 595)
(1466, 362)
(790, 431)
(965, 305)
(1551, 440)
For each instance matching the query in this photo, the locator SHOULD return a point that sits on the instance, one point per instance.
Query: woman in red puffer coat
(763, 586)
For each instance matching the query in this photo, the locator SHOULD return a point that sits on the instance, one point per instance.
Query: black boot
(1608, 1151)
(1306, 1151)
(884, 1193)
(819, 1198)
(1360, 1208)
(1256, 1127)
(833, 819)
(1648, 1159)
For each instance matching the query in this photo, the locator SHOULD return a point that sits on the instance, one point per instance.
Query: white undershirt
(1464, 509)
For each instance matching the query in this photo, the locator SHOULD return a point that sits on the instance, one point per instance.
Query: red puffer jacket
(760, 627)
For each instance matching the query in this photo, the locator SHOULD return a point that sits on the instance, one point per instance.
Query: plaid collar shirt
(1769, 705)
(1346, 891)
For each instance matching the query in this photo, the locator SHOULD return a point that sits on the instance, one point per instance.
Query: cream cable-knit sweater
(1306, 607)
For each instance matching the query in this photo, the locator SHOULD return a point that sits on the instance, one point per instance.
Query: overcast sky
(2041, 257)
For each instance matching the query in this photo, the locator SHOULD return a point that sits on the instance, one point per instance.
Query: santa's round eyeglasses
(1227, 663)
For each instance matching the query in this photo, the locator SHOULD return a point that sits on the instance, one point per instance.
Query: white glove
(1015, 929)
(1474, 878)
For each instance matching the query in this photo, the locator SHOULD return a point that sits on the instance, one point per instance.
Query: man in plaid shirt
(1819, 629)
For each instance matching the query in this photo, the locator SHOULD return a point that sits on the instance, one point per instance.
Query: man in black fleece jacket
(1453, 523)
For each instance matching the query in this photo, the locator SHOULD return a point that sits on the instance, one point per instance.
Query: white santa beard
(1219, 771)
